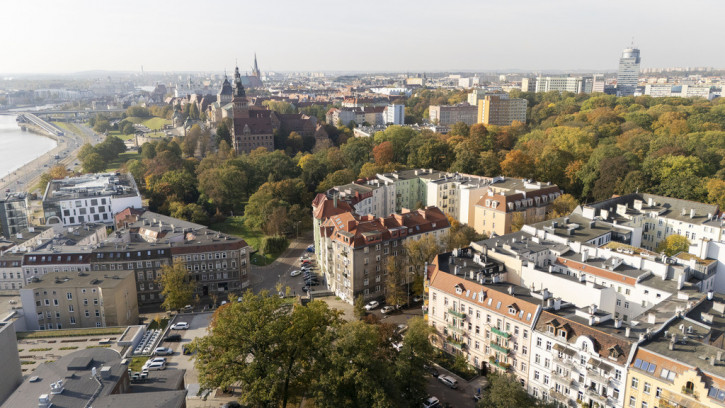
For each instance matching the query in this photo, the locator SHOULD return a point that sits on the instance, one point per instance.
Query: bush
(273, 244)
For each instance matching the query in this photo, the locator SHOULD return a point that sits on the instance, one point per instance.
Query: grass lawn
(70, 127)
(235, 226)
(153, 325)
(151, 123)
(137, 363)
(42, 334)
(122, 158)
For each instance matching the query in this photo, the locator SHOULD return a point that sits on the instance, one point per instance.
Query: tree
(518, 164)
(562, 205)
(56, 172)
(518, 220)
(273, 349)
(383, 153)
(459, 129)
(93, 163)
(337, 178)
(176, 286)
(359, 307)
(716, 192)
(505, 391)
(673, 245)
(396, 291)
(356, 370)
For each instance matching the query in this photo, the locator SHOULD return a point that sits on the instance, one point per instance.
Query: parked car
(180, 326)
(155, 366)
(155, 360)
(398, 346)
(387, 309)
(305, 288)
(163, 351)
(449, 381)
(417, 299)
(311, 248)
(296, 272)
(372, 305)
(431, 370)
(431, 402)
(172, 338)
(401, 328)
(188, 309)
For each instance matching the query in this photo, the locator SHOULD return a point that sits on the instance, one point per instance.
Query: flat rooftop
(91, 186)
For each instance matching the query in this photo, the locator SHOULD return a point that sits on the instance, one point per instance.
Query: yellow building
(513, 201)
(669, 372)
(500, 110)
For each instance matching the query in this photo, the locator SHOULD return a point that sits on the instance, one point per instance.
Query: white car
(155, 360)
(180, 326)
(296, 272)
(449, 381)
(163, 351)
(155, 366)
(387, 309)
(431, 402)
(398, 346)
(372, 305)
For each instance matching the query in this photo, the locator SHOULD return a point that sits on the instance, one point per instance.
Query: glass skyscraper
(628, 73)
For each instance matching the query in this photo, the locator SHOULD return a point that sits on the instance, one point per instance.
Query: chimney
(641, 337)
(472, 275)
(650, 201)
(44, 401)
(719, 355)
(683, 212)
(673, 341)
(511, 290)
(651, 318)
(106, 372)
(710, 295)
(627, 331)
(591, 320)
(557, 303)
(692, 213)
(334, 200)
(712, 360)
(617, 323)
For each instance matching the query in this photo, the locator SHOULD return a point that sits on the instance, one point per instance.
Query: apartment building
(447, 115)
(394, 115)
(89, 198)
(479, 316)
(144, 242)
(354, 249)
(13, 214)
(579, 355)
(372, 115)
(659, 217)
(505, 199)
(564, 84)
(12, 373)
(500, 110)
(61, 300)
(682, 364)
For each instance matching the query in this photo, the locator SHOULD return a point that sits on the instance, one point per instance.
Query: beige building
(476, 315)
(447, 115)
(61, 300)
(12, 373)
(505, 201)
(354, 249)
(500, 110)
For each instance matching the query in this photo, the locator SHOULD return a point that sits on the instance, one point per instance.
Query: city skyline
(323, 36)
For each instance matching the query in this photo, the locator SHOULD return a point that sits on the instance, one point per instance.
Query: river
(17, 147)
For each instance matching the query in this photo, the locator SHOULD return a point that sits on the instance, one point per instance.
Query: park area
(235, 226)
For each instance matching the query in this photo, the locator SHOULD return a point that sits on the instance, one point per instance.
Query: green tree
(176, 286)
(271, 348)
(673, 245)
(337, 178)
(505, 391)
(93, 163)
(397, 281)
(359, 307)
(562, 206)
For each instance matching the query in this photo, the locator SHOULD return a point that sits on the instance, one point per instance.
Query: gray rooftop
(76, 280)
(91, 186)
(79, 386)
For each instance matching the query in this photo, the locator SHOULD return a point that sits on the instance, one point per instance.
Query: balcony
(592, 393)
(500, 349)
(456, 313)
(455, 329)
(500, 333)
(558, 396)
(499, 365)
(456, 344)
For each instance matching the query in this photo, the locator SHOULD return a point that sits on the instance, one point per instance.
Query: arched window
(689, 387)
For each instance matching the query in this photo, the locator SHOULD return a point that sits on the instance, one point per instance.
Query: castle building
(252, 128)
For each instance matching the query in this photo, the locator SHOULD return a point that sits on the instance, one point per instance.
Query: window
(538, 342)
(644, 405)
(548, 346)
(635, 382)
(647, 388)
(69, 296)
(658, 392)
(632, 402)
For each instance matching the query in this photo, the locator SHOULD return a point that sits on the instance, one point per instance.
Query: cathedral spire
(255, 70)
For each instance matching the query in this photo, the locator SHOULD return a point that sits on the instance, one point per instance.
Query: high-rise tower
(628, 73)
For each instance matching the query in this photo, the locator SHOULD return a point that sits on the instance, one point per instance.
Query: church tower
(241, 104)
(255, 69)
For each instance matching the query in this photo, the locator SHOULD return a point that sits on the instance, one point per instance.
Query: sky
(51, 36)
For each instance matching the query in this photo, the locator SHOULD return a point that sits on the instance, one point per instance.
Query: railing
(499, 348)
(500, 332)
(455, 329)
(500, 365)
(456, 313)
(456, 344)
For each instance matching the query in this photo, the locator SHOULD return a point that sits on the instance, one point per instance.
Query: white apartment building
(89, 198)
(579, 355)
(394, 115)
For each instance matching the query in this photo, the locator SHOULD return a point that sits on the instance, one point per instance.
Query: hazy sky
(51, 36)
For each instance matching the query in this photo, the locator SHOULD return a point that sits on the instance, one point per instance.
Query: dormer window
(459, 289)
(551, 329)
(512, 310)
(562, 334)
